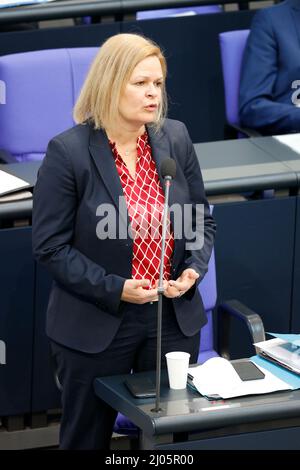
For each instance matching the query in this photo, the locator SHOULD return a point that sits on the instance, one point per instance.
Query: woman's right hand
(135, 291)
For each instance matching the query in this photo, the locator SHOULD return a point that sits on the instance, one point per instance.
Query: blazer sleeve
(54, 216)
(258, 107)
(202, 224)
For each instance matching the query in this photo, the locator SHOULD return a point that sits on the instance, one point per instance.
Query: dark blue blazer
(271, 64)
(77, 175)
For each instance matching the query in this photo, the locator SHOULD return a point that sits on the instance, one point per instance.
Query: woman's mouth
(151, 107)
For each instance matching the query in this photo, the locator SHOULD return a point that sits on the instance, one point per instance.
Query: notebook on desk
(141, 387)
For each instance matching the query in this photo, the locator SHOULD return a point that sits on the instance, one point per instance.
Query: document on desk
(291, 140)
(10, 183)
(16, 3)
(217, 378)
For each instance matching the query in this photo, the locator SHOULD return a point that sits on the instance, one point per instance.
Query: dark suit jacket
(271, 64)
(77, 175)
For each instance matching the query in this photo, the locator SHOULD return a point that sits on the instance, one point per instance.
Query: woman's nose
(151, 90)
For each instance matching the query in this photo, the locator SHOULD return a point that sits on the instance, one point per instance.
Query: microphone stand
(160, 291)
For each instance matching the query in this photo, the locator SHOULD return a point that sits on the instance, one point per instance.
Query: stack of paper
(283, 349)
(291, 140)
(217, 378)
(10, 183)
(14, 3)
(17, 196)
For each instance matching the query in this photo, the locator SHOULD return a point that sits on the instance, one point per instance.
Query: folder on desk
(284, 374)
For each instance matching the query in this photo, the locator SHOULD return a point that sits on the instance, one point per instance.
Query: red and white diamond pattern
(145, 200)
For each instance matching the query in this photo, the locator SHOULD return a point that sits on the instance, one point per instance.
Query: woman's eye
(159, 84)
(140, 83)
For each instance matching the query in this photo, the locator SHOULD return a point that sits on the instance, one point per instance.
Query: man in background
(270, 76)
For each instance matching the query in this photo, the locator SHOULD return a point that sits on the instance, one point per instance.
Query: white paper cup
(178, 364)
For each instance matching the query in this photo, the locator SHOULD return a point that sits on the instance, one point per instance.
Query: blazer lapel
(161, 150)
(103, 158)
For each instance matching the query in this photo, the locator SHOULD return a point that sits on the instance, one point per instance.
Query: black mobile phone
(141, 387)
(247, 370)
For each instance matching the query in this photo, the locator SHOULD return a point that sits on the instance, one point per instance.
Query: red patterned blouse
(145, 199)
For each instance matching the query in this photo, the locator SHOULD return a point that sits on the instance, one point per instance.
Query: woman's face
(141, 96)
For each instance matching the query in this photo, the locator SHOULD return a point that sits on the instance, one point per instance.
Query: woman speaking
(97, 221)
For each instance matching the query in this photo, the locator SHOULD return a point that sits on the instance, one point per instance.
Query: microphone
(144, 389)
(168, 173)
(168, 169)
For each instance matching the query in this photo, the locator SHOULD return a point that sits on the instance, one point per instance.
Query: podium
(189, 421)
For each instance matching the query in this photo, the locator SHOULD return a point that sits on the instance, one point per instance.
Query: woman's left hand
(179, 287)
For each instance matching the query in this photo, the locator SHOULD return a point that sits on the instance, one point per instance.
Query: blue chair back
(169, 12)
(232, 45)
(208, 290)
(41, 90)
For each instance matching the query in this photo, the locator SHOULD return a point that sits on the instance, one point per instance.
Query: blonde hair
(98, 101)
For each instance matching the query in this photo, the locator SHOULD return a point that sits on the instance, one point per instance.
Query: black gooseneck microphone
(168, 172)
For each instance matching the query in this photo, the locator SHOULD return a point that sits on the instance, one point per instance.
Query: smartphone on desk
(247, 370)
